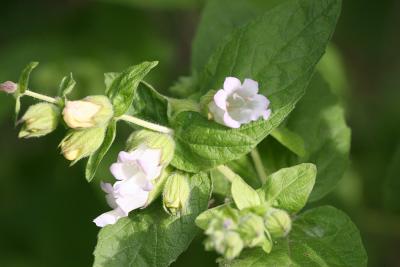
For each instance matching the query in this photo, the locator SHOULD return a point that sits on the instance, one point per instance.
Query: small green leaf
(123, 87)
(24, 78)
(322, 236)
(289, 188)
(96, 158)
(150, 237)
(23, 86)
(150, 105)
(243, 194)
(67, 85)
(291, 140)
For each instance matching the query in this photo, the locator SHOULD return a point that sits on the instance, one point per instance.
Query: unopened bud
(39, 120)
(92, 111)
(153, 140)
(8, 87)
(277, 222)
(82, 143)
(251, 228)
(176, 193)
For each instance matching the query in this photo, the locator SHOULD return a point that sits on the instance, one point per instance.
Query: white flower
(238, 103)
(135, 170)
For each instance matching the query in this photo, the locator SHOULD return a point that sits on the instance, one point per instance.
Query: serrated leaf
(323, 236)
(67, 85)
(282, 60)
(244, 195)
(150, 237)
(319, 119)
(289, 188)
(123, 87)
(23, 86)
(96, 158)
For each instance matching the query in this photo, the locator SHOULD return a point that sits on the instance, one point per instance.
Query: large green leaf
(322, 236)
(219, 19)
(96, 158)
(151, 237)
(279, 50)
(123, 86)
(319, 120)
(289, 188)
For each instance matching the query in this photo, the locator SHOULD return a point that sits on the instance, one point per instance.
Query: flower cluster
(229, 230)
(135, 172)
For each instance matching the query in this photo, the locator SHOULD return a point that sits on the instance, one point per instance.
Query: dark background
(46, 208)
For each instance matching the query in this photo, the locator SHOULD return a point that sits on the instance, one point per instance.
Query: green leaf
(290, 139)
(322, 236)
(243, 194)
(244, 167)
(219, 19)
(96, 158)
(289, 188)
(123, 87)
(109, 77)
(24, 78)
(150, 105)
(282, 61)
(67, 85)
(150, 237)
(205, 217)
(319, 119)
(157, 4)
(23, 86)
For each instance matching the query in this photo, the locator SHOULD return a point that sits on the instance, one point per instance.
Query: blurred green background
(47, 208)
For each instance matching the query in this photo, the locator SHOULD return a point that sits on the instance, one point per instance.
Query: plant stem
(128, 118)
(146, 124)
(40, 96)
(227, 172)
(259, 165)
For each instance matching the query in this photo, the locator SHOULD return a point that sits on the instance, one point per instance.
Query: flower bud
(277, 222)
(155, 141)
(8, 87)
(176, 193)
(92, 111)
(251, 228)
(82, 143)
(226, 242)
(39, 120)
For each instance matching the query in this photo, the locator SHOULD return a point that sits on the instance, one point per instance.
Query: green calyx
(39, 120)
(176, 193)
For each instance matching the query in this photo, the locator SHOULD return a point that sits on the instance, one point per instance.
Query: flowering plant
(206, 155)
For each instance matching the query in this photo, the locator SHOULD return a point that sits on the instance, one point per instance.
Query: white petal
(110, 217)
(218, 114)
(228, 121)
(150, 163)
(131, 196)
(231, 84)
(266, 114)
(220, 99)
(250, 86)
(107, 187)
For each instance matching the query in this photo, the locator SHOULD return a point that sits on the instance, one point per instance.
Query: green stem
(128, 118)
(146, 124)
(259, 165)
(227, 172)
(40, 97)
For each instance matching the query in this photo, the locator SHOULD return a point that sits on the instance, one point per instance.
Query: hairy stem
(259, 165)
(40, 96)
(146, 124)
(128, 118)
